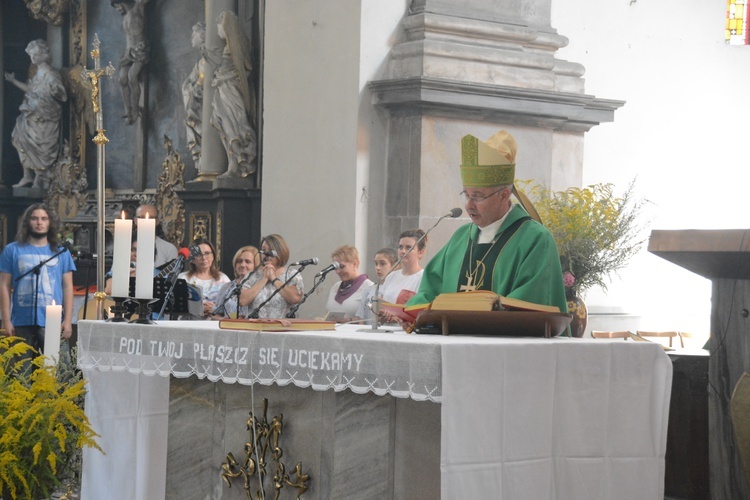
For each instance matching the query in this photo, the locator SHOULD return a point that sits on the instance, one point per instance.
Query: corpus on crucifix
(136, 54)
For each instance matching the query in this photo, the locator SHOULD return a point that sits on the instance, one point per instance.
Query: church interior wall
(326, 147)
(680, 135)
(324, 143)
(311, 72)
(380, 28)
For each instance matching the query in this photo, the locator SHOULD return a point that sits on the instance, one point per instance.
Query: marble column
(213, 156)
(478, 66)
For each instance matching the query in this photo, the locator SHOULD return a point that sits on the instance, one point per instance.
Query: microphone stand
(169, 296)
(37, 270)
(376, 298)
(220, 309)
(316, 283)
(256, 311)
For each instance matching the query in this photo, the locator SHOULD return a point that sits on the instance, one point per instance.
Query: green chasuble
(527, 267)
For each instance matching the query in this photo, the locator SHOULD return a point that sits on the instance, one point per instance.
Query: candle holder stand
(118, 310)
(144, 312)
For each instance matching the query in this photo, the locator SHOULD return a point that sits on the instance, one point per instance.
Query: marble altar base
(352, 445)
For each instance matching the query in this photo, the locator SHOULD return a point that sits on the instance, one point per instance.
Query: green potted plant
(43, 427)
(596, 231)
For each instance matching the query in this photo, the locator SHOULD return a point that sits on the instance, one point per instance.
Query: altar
(374, 415)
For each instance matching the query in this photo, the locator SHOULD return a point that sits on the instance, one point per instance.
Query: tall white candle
(121, 257)
(144, 263)
(52, 329)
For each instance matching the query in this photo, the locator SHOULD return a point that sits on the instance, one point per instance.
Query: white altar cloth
(520, 417)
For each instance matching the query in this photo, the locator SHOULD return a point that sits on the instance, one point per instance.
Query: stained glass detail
(736, 30)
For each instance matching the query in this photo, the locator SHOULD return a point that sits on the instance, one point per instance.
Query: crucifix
(478, 275)
(100, 140)
(468, 287)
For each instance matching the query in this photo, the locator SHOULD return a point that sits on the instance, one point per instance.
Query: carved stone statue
(234, 99)
(136, 54)
(192, 95)
(36, 135)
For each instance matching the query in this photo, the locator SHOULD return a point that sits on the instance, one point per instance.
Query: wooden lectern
(723, 256)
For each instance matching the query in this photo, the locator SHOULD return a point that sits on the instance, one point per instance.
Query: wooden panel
(709, 253)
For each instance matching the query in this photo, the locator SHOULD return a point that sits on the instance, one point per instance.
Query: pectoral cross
(468, 287)
(100, 140)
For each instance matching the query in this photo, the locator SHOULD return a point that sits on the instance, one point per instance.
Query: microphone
(268, 254)
(183, 254)
(67, 245)
(454, 213)
(334, 265)
(306, 262)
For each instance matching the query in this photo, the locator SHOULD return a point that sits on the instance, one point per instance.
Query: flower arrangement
(43, 427)
(596, 231)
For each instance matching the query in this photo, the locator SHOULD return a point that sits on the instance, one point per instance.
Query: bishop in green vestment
(503, 249)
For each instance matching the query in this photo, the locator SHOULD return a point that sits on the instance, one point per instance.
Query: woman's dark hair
(23, 234)
(416, 234)
(215, 273)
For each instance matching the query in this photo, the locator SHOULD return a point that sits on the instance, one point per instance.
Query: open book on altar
(276, 325)
(477, 300)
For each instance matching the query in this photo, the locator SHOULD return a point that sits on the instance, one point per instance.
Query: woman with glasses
(245, 260)
(272, 287)
(203, 273)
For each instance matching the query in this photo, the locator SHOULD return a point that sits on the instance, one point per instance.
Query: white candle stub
(52, 330)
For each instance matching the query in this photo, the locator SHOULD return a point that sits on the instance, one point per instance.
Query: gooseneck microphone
(453, 214)
(306, 262)
(332, 267)
(456, 212)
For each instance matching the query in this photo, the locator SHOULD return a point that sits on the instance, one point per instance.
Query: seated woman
(385, 258)
(244, 262)
(346, 296)
(203, 273)
(402, 284)
(269, 277)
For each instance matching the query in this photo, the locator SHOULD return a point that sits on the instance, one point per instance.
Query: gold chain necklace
(473, 279)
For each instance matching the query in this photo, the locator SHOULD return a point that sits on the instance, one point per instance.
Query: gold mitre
(489, 163)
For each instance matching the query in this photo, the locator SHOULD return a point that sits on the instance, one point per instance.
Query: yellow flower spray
(42, 423)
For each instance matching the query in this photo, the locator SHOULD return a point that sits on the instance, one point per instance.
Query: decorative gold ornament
(264, 435)
(169, 206)
(67, 189)
(76, 84)
(49, 11)
(200, 225)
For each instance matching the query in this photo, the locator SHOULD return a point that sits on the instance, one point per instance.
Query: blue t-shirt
(16, 259)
